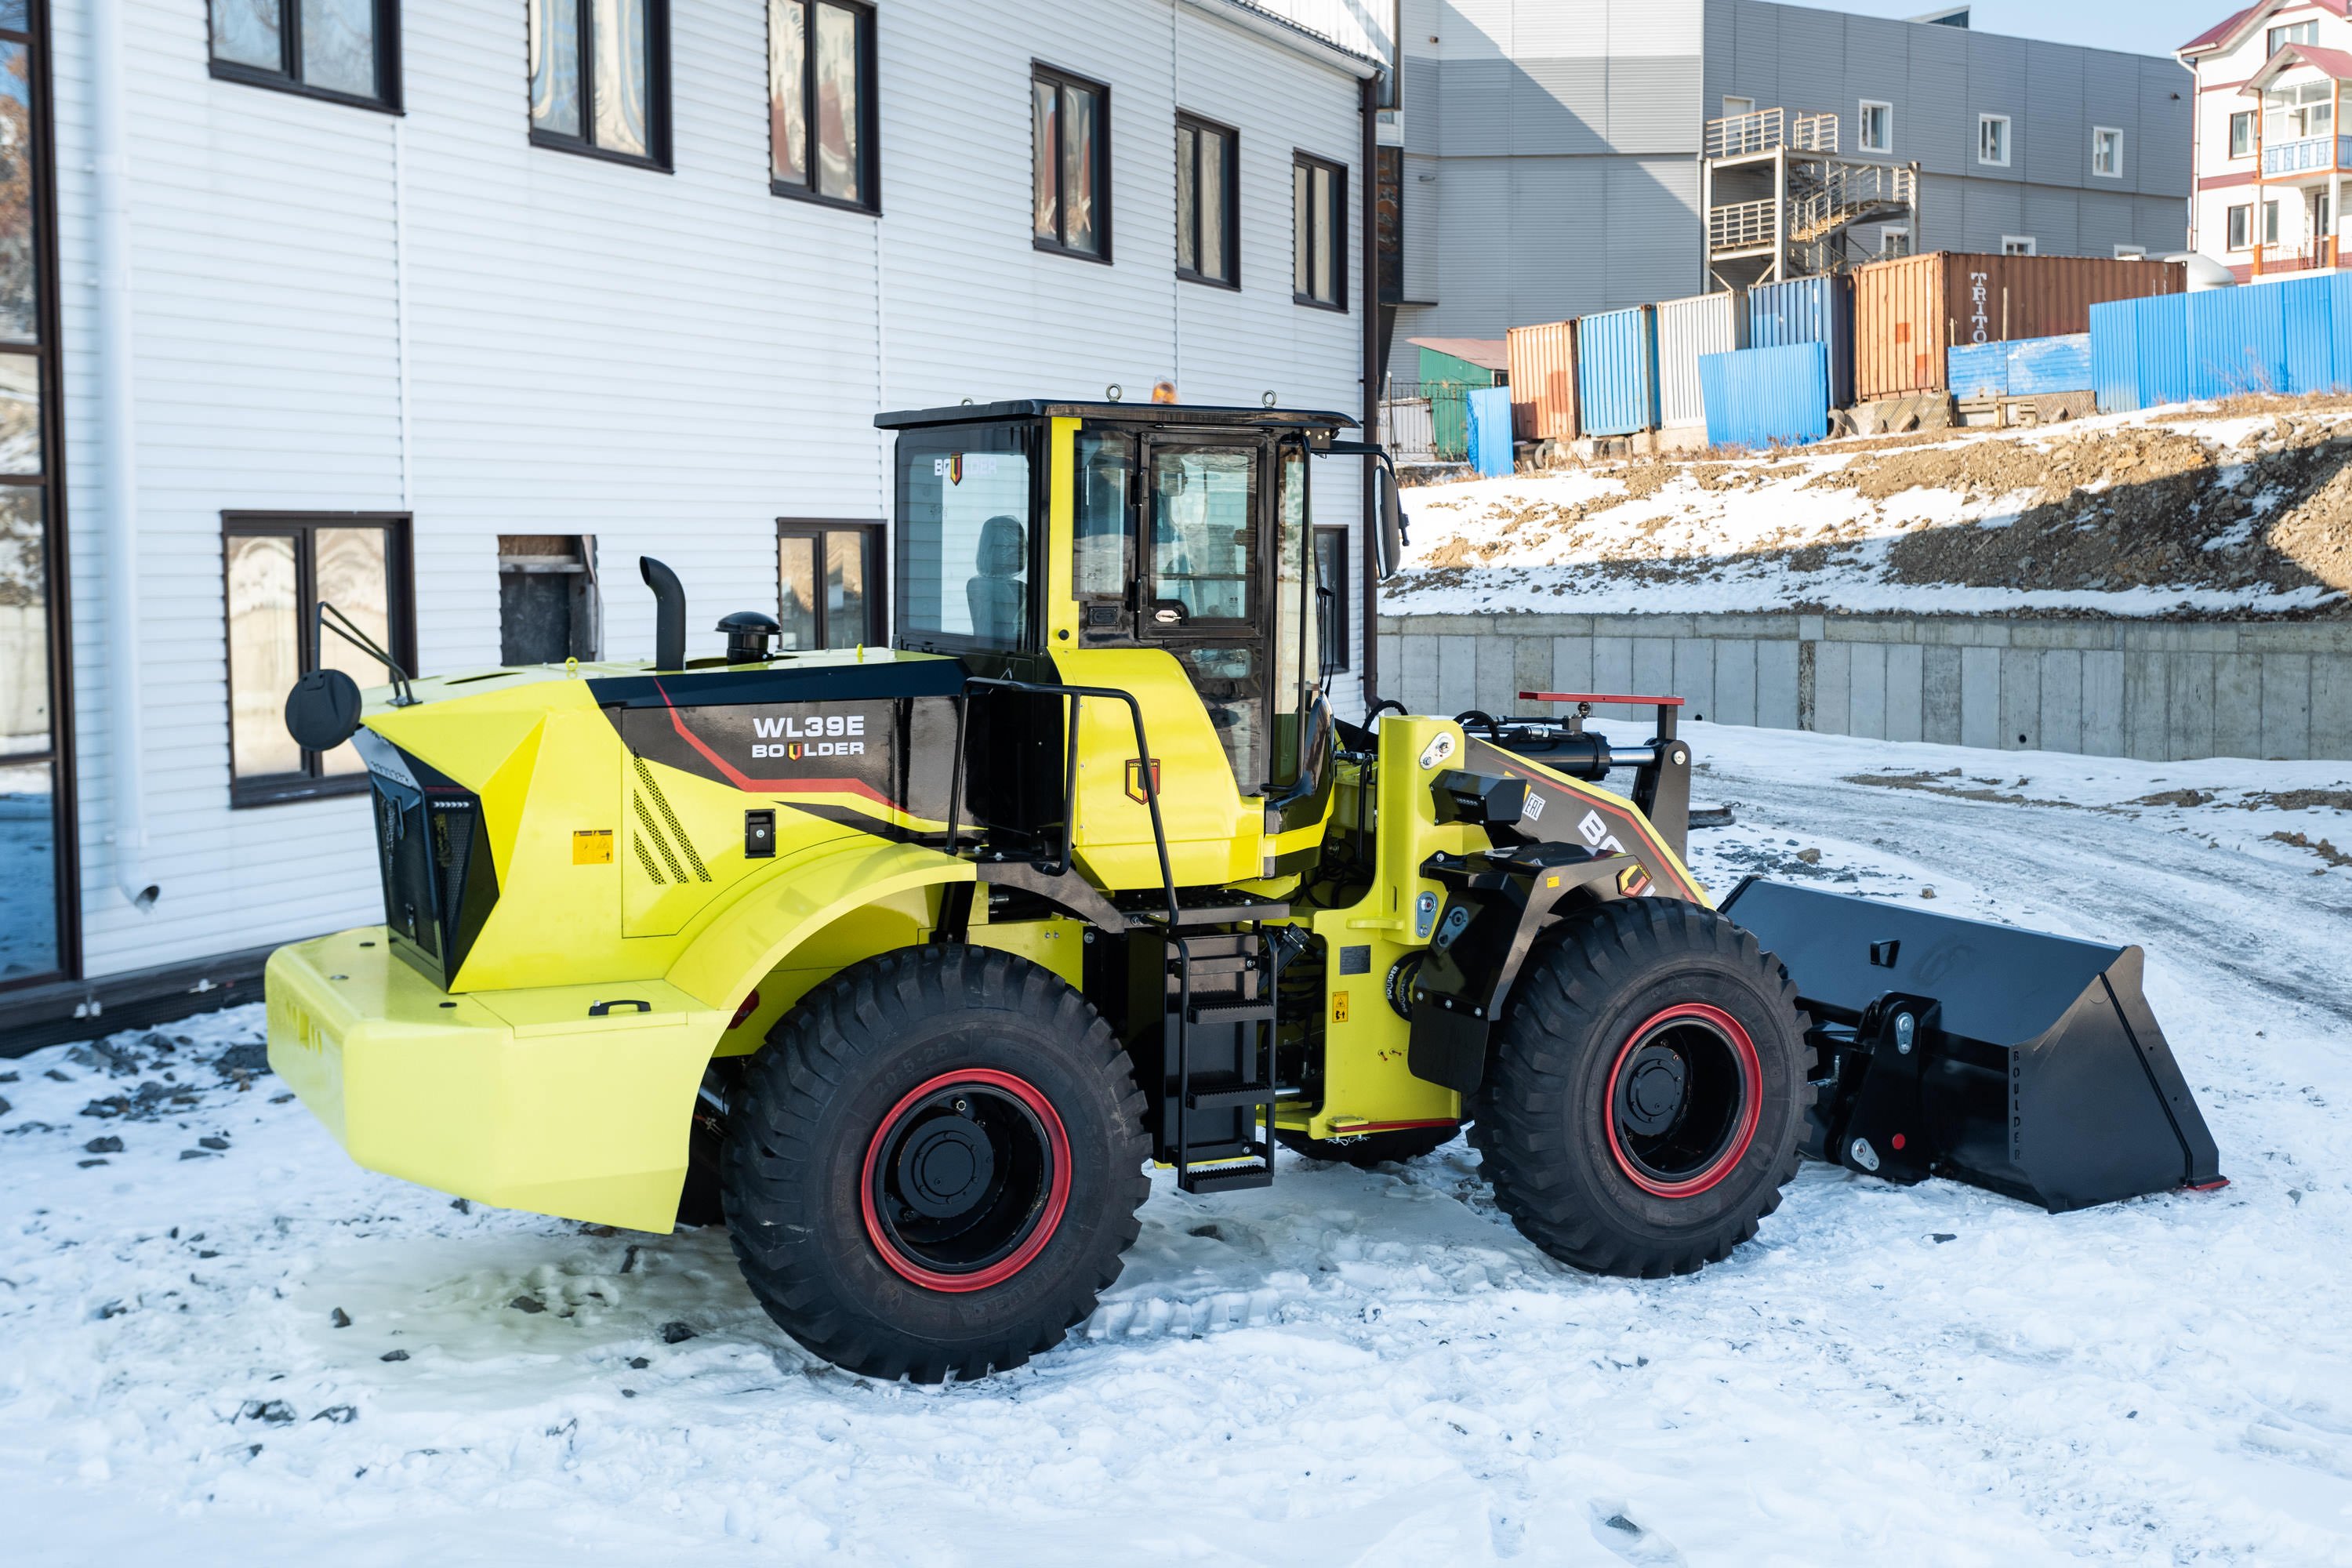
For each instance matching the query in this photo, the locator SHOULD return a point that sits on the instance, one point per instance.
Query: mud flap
(2015, 1060)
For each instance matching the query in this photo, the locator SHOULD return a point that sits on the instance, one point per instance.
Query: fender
(743, 941)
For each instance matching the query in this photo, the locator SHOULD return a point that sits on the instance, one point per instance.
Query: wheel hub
(965, 1180)
(1683, 1098)
(945, 1166)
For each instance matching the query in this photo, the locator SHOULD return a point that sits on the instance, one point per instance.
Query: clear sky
(2141, 27)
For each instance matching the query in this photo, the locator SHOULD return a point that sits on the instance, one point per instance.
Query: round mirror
(1392, 537)
(322, 711)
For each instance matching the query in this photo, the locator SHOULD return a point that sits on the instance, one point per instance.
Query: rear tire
(1648, 1085)
(934, 1164)
(1371, 1149)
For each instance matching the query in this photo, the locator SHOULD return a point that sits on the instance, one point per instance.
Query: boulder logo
(803, 733)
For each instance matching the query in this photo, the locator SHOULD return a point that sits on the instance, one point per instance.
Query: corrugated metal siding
(2307, 308)
(2140, 352)
(1490, 431)
(1808, 310)
(2237, 342)
(1617, 372)
(2038, 366)
(1543, 381)
(1757, 397)
(1689, 330)
(1979, 370)
(666, 361)
(1909, 310)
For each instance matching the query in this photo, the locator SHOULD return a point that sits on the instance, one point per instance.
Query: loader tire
(1648, 1085)
(934, 1164)
(1371, 1149)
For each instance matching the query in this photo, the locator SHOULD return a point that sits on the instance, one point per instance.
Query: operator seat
(997, 595)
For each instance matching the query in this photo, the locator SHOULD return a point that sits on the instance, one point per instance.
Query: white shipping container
(1708, 324)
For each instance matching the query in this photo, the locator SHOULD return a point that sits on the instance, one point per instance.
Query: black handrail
(1074, 694)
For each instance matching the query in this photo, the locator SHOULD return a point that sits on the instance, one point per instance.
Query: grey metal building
(1553, 149)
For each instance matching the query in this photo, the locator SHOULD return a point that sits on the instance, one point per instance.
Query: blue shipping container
(2038, 366)
(1756, 397)
(1617, 372)
(1808, 310)
(1490, 431)
(1979, 370)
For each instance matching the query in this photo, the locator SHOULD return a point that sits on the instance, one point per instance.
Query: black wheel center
(944, 1168)
(1651, 1091)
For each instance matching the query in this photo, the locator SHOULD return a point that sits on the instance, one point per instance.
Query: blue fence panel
(1758, 397)
(1490, 430)
(2339, 333)
(2162, 325)
(2038, 366)
(1808, 310)
(2114, 356)
(1979, 370)
(1617, 372)
(2237, 340)
(2307, 312)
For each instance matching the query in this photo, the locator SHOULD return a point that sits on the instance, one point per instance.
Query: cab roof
(1160, 413)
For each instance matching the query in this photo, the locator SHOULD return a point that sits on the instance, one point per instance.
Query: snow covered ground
(2175, 511)
(1348, 1368)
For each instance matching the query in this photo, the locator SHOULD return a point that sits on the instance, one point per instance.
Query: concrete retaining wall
(2159, 690)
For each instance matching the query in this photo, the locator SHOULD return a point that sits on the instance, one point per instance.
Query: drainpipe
(117, 455)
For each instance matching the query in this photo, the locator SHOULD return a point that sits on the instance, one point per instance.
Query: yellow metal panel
(1061, 533)
(516, 1099)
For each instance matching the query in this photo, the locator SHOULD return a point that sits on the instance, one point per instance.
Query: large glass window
(825, 574)
(36, 874)
(345, 49)
(600, 78)
(821, 101)
(1203, 536)
(2294, 113)
(278, 570)
(963, 551)
(1102, 552)
(1331, 597)
(1318, 217)
(1207, 203)
(1069, 120)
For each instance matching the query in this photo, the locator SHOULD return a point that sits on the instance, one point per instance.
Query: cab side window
(1102, 555)
(1205, 535)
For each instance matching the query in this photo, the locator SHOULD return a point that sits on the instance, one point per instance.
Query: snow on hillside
(221, 1344)
(2182, 511)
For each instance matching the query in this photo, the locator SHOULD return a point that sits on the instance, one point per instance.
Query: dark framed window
(1318, 217)
(1069, 125)
(829, 584)
(823, 128)
(548, 606)
(600, 79)
(277, 569)
(39, 928)
(347, 50)
(1207, 203)
(1331, 596)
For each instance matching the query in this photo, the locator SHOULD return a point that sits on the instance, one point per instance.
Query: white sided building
(445, 313)
(2271, 156)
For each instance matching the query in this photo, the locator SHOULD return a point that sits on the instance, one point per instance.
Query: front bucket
(2017, 1060)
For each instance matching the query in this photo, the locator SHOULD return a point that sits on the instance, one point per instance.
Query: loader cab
(1160, 550)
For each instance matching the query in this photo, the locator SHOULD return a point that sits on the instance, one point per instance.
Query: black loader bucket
(2023, 1062)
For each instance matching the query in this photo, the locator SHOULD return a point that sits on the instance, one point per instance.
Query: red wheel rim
(887, 1149)
(1714, 1047)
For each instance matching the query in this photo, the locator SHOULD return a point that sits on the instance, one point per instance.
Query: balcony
(1766, 130)
(2308, 156)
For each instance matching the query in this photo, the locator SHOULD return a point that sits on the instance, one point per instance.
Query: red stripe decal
(742, 781)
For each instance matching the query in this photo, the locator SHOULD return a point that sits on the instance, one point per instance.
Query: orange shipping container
(1543, 381)
(1908, 311)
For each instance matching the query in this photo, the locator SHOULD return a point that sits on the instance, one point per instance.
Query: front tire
(934, 1164)
(1641, 1109)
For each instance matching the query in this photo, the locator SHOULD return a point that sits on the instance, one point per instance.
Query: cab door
(1204, 590)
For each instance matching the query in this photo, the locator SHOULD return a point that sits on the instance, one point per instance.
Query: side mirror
(322, 711)
(1393, 527)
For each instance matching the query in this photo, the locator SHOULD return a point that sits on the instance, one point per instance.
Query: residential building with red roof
(2271, 152)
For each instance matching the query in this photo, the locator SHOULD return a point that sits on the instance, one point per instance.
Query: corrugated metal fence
(1808, 310)
(2292, 337)
(1762, 397)
(2031, 367)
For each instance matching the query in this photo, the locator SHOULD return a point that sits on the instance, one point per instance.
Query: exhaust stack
(669, 615)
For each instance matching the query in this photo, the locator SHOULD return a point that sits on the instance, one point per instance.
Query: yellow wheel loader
(906, 962)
